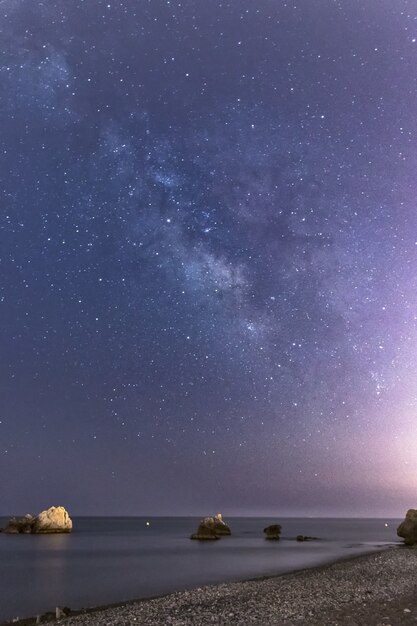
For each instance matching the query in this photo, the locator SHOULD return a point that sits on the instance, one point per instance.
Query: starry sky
(208, 256)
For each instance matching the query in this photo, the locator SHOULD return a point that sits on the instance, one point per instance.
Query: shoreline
(372, 585)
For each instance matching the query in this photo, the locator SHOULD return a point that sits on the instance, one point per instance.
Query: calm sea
(108, 560)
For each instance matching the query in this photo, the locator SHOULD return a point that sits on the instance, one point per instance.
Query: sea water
(109, 559)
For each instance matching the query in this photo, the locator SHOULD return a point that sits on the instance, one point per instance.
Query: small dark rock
(62, 611)
(272, 532)
(306, 538)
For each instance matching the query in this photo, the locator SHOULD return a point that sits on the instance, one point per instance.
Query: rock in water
(17, 525)
(54, 520)
(204, 533)
(217, 524)
(272, 532)
(211, 528)
(306, 538)
(408, 528)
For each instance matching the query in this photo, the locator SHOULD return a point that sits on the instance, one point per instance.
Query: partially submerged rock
(17, 525)
(212, 528)
(306, 538)
(53, 520)
(407, 530)
(272, 532)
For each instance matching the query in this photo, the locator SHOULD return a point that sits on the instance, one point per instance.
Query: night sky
(208, 256)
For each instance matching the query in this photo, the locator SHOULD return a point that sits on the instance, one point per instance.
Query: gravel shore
(378, 589)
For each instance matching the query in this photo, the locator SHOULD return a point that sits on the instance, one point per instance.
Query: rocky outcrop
(306, 538)
(272, 532)
(212, 528)
(407, 530)
(54, 520)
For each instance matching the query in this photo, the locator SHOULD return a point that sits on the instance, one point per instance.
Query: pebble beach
(378, 589)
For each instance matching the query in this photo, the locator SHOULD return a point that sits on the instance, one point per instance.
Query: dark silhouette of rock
(17, 525)
(306, 538)
(407, 530)
(204, 533)
(272, 532)
(54, 520)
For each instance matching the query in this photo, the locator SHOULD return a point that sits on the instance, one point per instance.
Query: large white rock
(54, 520)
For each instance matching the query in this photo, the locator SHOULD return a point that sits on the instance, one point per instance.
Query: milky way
(208, 247)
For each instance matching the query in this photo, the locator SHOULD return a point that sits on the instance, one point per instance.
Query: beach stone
(53, 520)
(61, 612)
(272, 532)
(407, 530)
